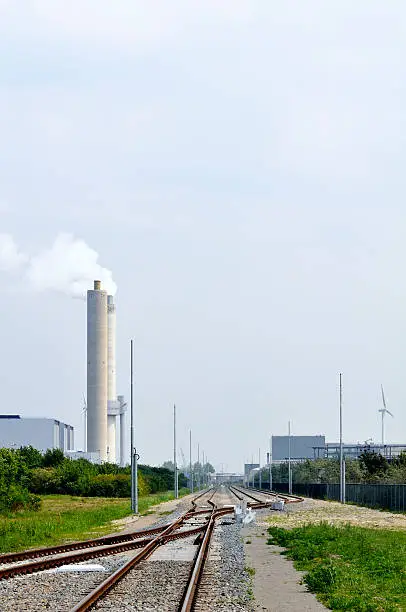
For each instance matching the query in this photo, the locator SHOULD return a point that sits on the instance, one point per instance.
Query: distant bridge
(220, 477)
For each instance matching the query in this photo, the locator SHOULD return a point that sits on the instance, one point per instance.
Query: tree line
(25, 473)
(370, 467)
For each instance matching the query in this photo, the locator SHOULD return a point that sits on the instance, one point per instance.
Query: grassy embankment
(65, 518)
(349, 567)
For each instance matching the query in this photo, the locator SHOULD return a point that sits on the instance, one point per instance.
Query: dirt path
(276, 583)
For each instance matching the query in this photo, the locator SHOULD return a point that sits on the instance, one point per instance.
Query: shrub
(321, 578)
(110, 485)
(44, 480)
(17, 498)
(53, 457)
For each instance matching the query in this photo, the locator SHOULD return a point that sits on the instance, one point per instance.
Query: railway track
(151, 561)
(92, 551)
(288, 499)
(64, 548)
(188, 596)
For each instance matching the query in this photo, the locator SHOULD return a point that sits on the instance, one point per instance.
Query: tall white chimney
(111, 378)
(111, 349)
(97, 371)
(123, 448)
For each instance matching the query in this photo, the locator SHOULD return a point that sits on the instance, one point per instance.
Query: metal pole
(203, 469)
(136, 457)
(344, 480)
(289, 463)
(260, 475)
(175, 465)
(198, 467)
(190, 460)
(132, 427)
(341, 441)
(270, 463)
(383, 430)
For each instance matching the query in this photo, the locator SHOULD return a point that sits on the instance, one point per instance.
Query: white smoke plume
(69, 266)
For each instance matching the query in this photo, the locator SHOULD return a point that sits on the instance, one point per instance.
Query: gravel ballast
(157, 584)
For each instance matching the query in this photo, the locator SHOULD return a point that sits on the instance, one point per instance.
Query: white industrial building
(104, 407)
(41, 433)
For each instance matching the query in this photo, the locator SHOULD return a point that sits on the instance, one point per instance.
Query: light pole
(174, 455)
(134, 466)
(259, 463)
(190, 460)
(270, 463)
(203, 481)
(342, 467)
(289, 461)
(198, 467)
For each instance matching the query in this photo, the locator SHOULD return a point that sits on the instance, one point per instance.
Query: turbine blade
(389, 413)
(383, 398)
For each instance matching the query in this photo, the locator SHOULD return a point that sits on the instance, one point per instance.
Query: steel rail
(189, 596)
(255, 499)
(239, 497)
(289, 498)
(54, 550)
(169, 534)
(105, 551)
(93, 543)
(101, 591)
(259, 503)
(293, 499)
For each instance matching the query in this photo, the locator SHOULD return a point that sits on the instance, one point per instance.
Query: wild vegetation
(369, 468)
(349, 568)
(25, 474)
(64, 518)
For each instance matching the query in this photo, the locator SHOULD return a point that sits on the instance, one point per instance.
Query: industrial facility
(299, 448)
(104, 407)
(41, 433)
(295, 447)
(105, 410)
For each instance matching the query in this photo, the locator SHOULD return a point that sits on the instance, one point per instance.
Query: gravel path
(316, 510)
(152, 586)
(52, 590)
(225, 582)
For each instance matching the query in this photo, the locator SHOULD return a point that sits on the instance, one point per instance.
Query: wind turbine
(383, 411)
(84, 412)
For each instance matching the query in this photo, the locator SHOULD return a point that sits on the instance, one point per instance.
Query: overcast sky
(239, 166)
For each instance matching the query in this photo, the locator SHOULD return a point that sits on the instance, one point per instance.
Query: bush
(25, 470)
(110, 485)
(321, 578)
(53, 457)
(44, 480)
(16, 498)
(115, 485)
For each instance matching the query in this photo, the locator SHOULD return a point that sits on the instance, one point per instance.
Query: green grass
(65, 518)
(349, 568)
